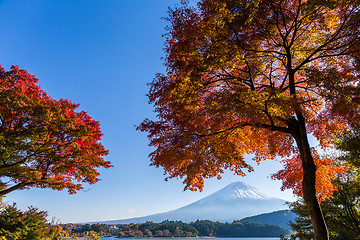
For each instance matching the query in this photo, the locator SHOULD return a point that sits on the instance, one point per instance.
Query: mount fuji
(234, 202)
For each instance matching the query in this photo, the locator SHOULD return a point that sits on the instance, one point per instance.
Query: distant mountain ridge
(281, 218)
(235, 201)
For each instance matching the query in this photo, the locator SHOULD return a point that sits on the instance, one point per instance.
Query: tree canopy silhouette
(254, 77)
(44, 142)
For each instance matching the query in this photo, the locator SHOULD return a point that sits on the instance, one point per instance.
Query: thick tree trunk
(308, 164)
(309, 179)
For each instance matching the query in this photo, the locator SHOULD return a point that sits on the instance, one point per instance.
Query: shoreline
(207, 237)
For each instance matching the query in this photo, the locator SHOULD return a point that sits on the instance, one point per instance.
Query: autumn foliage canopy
(292, 175)
(227, 91)
(44, 142)
(255, 77)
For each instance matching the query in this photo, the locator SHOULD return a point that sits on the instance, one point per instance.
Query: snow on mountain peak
(242, 190)
(236, 190)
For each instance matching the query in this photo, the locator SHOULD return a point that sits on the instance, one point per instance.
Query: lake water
(194, 238)
(270, 238)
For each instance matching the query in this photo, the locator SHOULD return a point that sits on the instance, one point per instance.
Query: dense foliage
(44, 142)
(27, 225)
(342, 210)
(198, 228)
(256, 77)
(32, 224)
(326, 172)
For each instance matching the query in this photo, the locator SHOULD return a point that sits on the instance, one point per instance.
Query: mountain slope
(234, 202)
(280, 218)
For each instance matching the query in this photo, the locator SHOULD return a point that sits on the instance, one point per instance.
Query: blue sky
(102, 54)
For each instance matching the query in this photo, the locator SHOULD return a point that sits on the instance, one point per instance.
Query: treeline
(200, 228)
(32, 224)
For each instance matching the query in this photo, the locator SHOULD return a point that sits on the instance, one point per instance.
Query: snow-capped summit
(234, 202)
(237, 190)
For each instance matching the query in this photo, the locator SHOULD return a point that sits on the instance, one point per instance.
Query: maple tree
(44, 142)
(342, 208)
(327, 170)
(254, 77)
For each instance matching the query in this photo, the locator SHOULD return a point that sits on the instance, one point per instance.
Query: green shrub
(26, 225)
